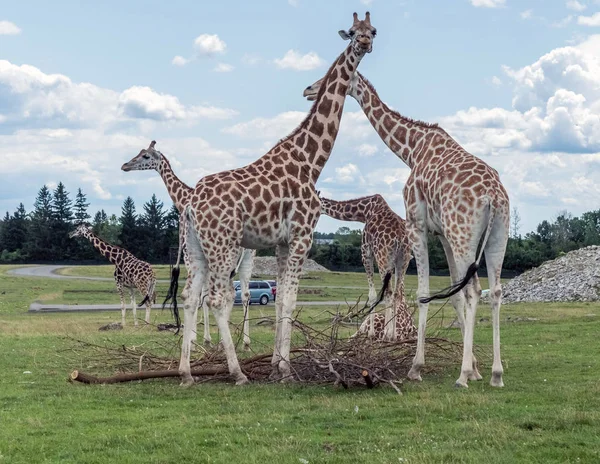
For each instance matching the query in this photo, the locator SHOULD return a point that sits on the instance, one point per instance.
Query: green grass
(549, 410)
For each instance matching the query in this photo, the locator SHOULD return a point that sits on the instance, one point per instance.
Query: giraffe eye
(146, 156)
(374, 32)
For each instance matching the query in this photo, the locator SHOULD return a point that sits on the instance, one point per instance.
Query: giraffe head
(361, 35)
(82, 230)
(148, 158)
(355, 88)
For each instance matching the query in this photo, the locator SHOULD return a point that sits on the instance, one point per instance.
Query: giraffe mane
(356, 199)
(313, 108)
(416, 122)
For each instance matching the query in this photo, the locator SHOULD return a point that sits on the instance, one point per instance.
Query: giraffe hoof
(414, 374)
(187, 381)
(475, 376)
(274, 374)
(461, 384)
(496, 380)
(242, 380)
(246, 347)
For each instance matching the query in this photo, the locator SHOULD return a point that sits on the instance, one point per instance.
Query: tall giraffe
(180, 194)
(458, 197)
(384, 241)
(130, 272)
(271, 202)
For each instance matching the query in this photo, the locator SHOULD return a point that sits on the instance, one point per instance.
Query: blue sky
(84, 86)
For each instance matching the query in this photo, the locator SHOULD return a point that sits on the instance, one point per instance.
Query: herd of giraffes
(273, 202)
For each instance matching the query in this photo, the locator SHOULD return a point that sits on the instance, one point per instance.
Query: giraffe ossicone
(271, 202)
(130, 272)
(459, 198)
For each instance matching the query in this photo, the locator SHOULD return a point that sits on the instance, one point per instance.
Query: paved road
(50, 271)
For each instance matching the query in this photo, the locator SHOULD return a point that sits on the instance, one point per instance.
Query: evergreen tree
(130, 236)
(14, 232)
(80, 208)
(62, 217)
(153, 223)
(39, 240)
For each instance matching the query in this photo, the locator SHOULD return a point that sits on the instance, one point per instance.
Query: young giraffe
(383, 240)
(180, 194)
(130, 272)
(271, 202)
(458, 197)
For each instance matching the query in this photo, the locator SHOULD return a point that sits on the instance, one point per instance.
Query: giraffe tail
(150, 295)
(471, 271)
(384, 287)
(174, 286)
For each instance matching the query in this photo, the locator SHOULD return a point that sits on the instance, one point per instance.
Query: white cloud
(267, 128)
(223, 68)
(179, 61)
(293, 2)
(366, 2)
(496, 81)
(593, 20)
(8, 28)
(251, 59)
(575, 5)
(488, 3)
(209, 44)
(367, 149)
(348, 173)
(563, 22)
(527, 14)
(294, 60)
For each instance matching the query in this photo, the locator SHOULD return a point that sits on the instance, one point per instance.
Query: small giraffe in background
(130, 272)
(384, 241)
(180, 193)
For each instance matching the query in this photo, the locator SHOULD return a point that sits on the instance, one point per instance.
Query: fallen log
(77, 376)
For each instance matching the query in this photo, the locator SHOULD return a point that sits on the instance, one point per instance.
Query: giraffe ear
(152, 145)
(344, 35)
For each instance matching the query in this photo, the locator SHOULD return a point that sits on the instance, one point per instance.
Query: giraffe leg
(418, 236)
(205, 311)
(472, 298)
(221, 303)
(367, 259)
(494, 256)
(458, 300)
(245, 271)
(199, 270)
(122, 296)
(282, 258)
(298, 249)
(134, 310)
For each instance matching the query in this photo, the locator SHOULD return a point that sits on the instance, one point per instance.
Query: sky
(84, 86)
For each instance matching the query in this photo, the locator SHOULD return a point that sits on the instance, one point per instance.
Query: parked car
(273, 284)
(260, 292)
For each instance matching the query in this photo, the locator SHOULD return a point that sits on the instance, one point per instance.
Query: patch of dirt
(267, 265)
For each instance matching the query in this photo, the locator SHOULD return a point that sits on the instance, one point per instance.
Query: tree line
(41, 235)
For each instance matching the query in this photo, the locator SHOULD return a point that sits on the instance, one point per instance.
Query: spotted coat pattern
(130, 272)
(272, 202)
(384, 241)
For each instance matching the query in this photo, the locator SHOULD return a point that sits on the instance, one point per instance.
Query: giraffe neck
(178, 191)
(107, 250)
(360, 209)
(311, 143)
(410, 140)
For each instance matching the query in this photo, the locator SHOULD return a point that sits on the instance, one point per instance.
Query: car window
(253, 285)
(264, 285)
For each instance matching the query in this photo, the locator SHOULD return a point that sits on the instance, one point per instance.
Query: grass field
(549, 410)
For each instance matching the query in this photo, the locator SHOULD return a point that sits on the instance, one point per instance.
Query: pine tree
(130, 236)
(153, 227)
(14, 232)
(39, 240)
(80, 208)
(62, 217)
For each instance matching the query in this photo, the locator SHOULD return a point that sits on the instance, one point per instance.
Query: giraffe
(383, 240)
(130, 272)
(180, 194)
(459, 198)
(270, 202)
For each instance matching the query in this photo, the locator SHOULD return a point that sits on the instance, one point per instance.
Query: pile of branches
(318, 356)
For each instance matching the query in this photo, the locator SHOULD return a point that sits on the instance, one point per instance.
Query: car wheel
(264, 300)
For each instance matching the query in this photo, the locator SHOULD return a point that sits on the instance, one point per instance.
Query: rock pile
(267, 265)
(571, 277)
